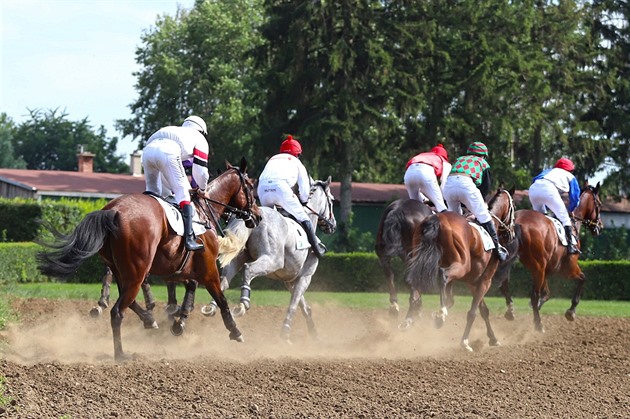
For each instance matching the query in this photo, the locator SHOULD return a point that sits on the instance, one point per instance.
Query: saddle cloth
(559, 230)
(174, 217)
(488, 244)
(301, 242)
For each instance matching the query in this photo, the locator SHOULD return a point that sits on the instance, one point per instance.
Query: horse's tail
(424, 262)
(389, 235)
(230, 246)
(69, 251)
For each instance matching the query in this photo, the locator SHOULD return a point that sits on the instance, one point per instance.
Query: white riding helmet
(196, 123)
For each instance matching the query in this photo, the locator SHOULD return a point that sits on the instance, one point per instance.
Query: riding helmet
(478, 148)
(440, 151)
(197, 123)
(564, 163)
(291, 146)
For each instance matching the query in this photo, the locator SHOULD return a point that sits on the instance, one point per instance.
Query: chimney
(85, 161)
(135, 164)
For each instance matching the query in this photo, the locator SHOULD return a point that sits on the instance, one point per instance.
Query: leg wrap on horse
(502, 252)
(312, 238)
(573, 250)
(189, 236)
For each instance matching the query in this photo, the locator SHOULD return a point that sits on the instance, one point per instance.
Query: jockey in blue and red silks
(468, 183)
(545, 192)
(162, 161)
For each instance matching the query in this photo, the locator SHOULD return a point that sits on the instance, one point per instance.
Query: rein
(593, 225)
(321, 218)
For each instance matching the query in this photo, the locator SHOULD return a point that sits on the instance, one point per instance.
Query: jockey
(545, 192)
(468, 183)
(422, 173)
(283, 174)
(162, 160)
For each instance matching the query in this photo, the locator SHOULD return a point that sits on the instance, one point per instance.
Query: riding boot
(318, 249)
(502, 252)
(573, 250)
(189, 237)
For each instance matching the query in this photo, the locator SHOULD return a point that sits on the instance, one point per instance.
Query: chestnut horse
(394, 239)
(541, 252)
(132, 235)
(447, 242)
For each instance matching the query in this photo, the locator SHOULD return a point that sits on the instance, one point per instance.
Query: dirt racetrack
(58, 362)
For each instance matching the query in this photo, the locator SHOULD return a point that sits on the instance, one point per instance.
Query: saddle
(301, 241)
(174, 216)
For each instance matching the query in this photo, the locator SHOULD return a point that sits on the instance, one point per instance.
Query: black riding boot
(502, 252)
(573, 250)
(318, 249)
(189, 236)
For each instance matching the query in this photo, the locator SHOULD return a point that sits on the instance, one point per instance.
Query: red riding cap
(440, 151)
(565, 164)
(291, 146)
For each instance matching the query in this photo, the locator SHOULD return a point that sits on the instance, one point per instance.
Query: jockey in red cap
(546, 192)
(283, 174)
(422, 173)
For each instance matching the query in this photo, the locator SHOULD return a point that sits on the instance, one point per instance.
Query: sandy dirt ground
(57, 362)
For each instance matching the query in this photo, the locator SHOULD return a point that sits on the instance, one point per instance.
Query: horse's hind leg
(386, 263)
(415, 307)
(308, 314)
(297, 293)
(570, 313)
(126, 296)
(149, 300)
(485, 315)
(145, 315)
(103, 302)
(172, 309)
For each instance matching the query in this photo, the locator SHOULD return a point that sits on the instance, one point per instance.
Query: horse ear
(228, 165)
(329, 180)
(243, 164)
(597, 188)
(511, 191)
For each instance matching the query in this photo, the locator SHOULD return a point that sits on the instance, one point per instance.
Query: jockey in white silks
(546, 192)
(284, 182)
(422, 173)
(468, 183)
(162, 159)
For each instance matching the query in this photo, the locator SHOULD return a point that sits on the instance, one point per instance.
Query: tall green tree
(198, 62)
(8, 158)
(50, 141)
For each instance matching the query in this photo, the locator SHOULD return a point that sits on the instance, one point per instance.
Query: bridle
(325, 223)
(507, 225)
(594, 224)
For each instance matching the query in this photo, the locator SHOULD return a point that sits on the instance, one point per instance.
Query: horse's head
(589, 209)
(320, 203)
(502, 209)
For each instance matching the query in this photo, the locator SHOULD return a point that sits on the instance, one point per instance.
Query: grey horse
(276, 249)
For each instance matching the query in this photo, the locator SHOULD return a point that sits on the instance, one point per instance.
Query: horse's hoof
(394, 310)
(209, 310)
(123, 357)
(438, 320)
(540, 328)
(509, 315)
(151, 325)
(172, 309)
(177, 328)
(96, 312)
(569, 315)
(466, 346)
(239, 310)
(237, 337)
(495, 343)
(405, 325)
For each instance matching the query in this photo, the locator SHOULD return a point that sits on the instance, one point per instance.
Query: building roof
(109, 185)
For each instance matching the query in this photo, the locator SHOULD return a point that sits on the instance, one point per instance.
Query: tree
(7, 155)
(49, 141)
(198, 63)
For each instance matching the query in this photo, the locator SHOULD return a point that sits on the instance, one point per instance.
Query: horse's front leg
(470, 319)
(227, 273)
(485, 315)
(172, 309)
(570, 313)
(145, 315)
(415, 307)
(308, 314)
(213, 285)
(394, 308)
(440, 317)
(297, 289)
(149, 300)
(177, 328)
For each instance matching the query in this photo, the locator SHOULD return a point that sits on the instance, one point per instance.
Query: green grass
(336, 299)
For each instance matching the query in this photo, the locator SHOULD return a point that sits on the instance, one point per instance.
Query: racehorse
(541, 252)
(447, 242)
(394, 239)
(133, 237)
(273, 249)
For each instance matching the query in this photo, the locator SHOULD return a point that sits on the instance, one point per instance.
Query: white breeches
(462, 190)
(420, 181)
(162, 163)
(543, 194)
(276, 192)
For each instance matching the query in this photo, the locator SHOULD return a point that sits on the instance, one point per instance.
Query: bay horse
(542, 254)
(447, 243)
(394, 238)
(274, 250)
(133, 237)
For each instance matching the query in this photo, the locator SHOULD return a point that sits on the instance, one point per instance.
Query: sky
(76, 56)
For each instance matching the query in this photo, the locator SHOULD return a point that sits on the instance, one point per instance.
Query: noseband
(323, 222)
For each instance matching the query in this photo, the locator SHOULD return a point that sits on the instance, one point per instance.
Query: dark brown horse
(541, 252)
(394, 239)
(447, 242)
(132, 235)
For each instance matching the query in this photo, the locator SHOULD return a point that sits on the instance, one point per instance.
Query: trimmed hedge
(347, 272)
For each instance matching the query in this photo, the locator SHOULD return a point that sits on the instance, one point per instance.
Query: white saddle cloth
(174, 217)
(488, 244)
(301, 241)
(559, 230)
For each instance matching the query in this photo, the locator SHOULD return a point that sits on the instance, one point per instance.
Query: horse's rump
(396, 228)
